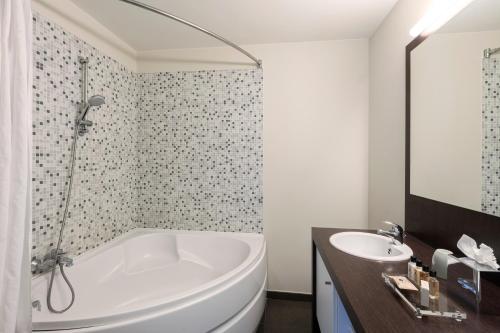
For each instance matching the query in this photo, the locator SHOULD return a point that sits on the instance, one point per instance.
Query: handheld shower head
(96, 100)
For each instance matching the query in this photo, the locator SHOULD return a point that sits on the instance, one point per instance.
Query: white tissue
(482, 254)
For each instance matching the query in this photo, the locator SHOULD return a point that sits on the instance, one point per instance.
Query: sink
(371, 246)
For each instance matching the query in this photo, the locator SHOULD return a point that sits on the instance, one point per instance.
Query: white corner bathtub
(151, 280)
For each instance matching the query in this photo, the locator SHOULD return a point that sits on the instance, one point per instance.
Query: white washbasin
(370, 246)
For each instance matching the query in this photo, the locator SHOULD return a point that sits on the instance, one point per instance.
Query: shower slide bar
(489, 52)
(258, 62)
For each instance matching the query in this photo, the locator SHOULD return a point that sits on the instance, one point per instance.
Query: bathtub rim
(167, 304)
(145, 231)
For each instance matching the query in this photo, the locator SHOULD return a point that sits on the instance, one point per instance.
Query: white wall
(387, 112)
(315, 149)
(447, 91)
(315, 142)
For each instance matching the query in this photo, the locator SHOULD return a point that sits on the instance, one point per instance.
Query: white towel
(483, 254)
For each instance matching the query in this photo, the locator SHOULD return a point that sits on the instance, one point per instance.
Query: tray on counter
(440, 307)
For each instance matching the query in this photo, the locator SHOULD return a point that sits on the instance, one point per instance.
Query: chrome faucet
(49, 261)
(37, 305)
(395, 233)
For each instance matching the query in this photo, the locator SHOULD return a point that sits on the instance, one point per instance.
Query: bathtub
(151, 280)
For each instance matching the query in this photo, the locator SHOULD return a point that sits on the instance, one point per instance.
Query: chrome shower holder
(85, 104)
(82, 126)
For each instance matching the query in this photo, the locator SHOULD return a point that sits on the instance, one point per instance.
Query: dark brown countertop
(373, 307)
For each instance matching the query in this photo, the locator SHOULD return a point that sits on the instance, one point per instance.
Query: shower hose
(58, 263)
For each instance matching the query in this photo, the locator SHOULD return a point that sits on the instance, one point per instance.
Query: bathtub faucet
(50, 260)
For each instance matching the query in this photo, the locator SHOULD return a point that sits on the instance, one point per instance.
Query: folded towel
(483, 254)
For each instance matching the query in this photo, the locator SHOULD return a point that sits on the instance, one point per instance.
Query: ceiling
(480, 15)
(241, 21)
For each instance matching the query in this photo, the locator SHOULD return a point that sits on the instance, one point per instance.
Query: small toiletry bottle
(424, 293)
(418, 269)
(434, 304)
(424, 274)
(433, 286)
(412, 264)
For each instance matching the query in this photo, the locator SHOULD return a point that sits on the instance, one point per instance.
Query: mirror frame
(437, 223)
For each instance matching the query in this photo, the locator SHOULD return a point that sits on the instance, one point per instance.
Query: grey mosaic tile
(176, 150)
(491, 137)
(200, 150)
(103, 204)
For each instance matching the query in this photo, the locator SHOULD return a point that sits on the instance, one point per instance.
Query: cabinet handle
(328, 282)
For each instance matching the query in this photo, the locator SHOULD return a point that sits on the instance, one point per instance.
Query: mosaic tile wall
(200, 150)
(491, 137)
(172, 150)
(103, 203)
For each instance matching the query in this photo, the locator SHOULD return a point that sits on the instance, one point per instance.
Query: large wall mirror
(455, 111)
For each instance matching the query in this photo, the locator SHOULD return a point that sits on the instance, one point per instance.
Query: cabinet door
(341, 319)
(324, 297)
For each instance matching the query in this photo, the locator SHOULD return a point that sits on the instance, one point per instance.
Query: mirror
(455, 111)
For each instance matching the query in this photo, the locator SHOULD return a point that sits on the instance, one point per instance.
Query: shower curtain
(491, 137)
(15, 164)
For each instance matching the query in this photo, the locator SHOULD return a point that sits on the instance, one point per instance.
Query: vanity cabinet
(330, 312)
(370, 306)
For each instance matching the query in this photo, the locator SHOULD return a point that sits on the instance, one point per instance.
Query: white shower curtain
(15, 164)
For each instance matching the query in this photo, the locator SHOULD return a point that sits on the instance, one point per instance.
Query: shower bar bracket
(489, 52)
(257, 61)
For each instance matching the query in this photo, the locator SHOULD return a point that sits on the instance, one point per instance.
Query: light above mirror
(439, 13)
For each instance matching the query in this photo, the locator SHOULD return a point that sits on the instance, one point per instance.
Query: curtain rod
(258, 62)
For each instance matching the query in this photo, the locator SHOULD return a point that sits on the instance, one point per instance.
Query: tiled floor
(284, 316)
